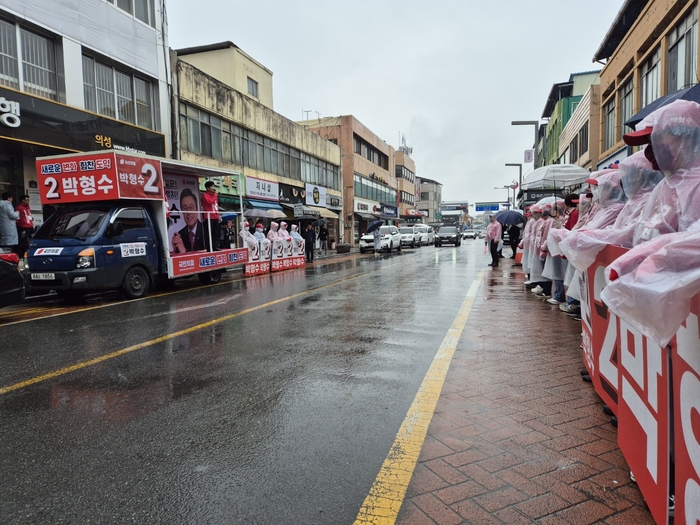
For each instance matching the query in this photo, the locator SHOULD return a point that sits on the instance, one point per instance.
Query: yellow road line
(133, 348)
(382, 505)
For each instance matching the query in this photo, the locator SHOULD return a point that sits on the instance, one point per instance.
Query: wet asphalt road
(276, 404)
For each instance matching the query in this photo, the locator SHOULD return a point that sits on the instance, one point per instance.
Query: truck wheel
(210, 277)
(136, 283)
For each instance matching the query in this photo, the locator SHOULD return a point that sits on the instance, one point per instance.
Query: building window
(35, 53)
(609, 125)
(117, 94)
(681, 63)
(626, 106)
(573, 151)
(252, 88)
(650, 79)
(143, 10)
(369, 152)
(206, 134)
(583, 139)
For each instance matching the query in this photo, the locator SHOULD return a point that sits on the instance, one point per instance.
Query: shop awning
(307, 209)
(324, 212)
(366, 216)
(264, 205)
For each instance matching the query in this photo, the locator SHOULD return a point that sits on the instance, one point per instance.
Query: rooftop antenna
(307, 111)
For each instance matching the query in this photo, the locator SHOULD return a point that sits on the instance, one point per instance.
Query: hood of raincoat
(675, 138)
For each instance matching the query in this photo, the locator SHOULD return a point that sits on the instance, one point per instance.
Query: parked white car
(391, 240)
(427, 234)
(410, 236)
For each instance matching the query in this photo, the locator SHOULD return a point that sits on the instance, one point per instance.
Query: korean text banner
(98, 176)
(189, 264)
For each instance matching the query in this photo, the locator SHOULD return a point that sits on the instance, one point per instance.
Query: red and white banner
(600, 330)
(197, 262)
(288, 263)
(257, 268)
(97, 177)
(686, 417)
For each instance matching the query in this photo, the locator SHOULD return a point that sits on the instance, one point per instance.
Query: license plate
(43, 276)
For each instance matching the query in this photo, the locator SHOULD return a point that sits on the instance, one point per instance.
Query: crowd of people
(649, 203)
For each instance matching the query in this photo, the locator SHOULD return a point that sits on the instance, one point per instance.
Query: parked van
(115, 230)
(427, 234)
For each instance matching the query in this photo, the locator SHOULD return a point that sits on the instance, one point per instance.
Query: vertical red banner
(644, 416)
(686, 403)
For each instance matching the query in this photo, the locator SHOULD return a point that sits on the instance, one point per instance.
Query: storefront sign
(55, 125)
(9, 113)
(388, 211)
(261, 189)
(292, 194)
(315, 195)
(333, 202)
(101, 176)
(225, 185)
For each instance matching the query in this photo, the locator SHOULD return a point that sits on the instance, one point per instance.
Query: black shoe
(490, 264)
(584, 372)
(531, 286)
(577, 318)
(607, 411)
(586, 378)
(613, 421)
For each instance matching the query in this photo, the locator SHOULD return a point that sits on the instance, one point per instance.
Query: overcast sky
(448, 74)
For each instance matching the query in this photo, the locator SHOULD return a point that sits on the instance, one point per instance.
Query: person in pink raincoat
(493, 237)
(272, 234)
(543, 286)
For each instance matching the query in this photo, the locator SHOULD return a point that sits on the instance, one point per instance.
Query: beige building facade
(221, 127)
(651, 50)
(406, 184)
(229, 64)
(369, 175)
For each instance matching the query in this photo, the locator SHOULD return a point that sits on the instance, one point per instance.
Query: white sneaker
(564, 307)
(537, 289)
(553, 301)
(527, 282)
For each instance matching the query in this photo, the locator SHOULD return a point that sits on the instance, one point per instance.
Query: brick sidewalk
(517, 436)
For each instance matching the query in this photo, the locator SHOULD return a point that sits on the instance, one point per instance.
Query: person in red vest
(211, 219)
(25, 225)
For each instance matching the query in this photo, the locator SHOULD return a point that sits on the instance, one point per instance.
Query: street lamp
(520, 178)
(505, 188)
(535, 123)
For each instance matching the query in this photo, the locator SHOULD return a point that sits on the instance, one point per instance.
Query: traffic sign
(487, 206)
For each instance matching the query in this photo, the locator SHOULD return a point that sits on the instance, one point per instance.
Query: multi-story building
(578, 143)
(561, 103)
(651, 50)
(79, 76)
(369, 176)
(430, 199)
(455, 212)
(285, 166)
(407, 184)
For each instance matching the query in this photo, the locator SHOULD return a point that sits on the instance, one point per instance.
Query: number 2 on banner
(152, 173)
(53, 185)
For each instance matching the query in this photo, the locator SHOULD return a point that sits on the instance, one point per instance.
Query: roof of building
(581, 73)
(209, 47)
(429, 181)
(625, 19)
(558, 92)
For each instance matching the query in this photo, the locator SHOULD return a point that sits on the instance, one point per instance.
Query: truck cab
(90, 246)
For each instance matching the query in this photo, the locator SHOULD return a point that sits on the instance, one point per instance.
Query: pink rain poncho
(658, 281)
(654, 282)
(583, 244)
(675, 147)
(525, 243)
(272, 235)
(283, 233)
(249, 241)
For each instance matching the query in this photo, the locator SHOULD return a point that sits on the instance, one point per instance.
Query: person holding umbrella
(493, 235)
(310, 240)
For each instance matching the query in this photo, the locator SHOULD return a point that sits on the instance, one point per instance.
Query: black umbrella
(321, 222)
(509, 217)
(374, 225)
(692, 94)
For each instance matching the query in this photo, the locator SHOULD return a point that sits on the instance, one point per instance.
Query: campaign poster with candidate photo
(185, 232)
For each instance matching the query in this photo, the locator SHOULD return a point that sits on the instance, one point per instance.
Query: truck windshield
(76, 223)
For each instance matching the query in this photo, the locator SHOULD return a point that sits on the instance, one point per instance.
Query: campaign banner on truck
(686, 403)
(97, 177)
(185, 230)
(191, 263)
